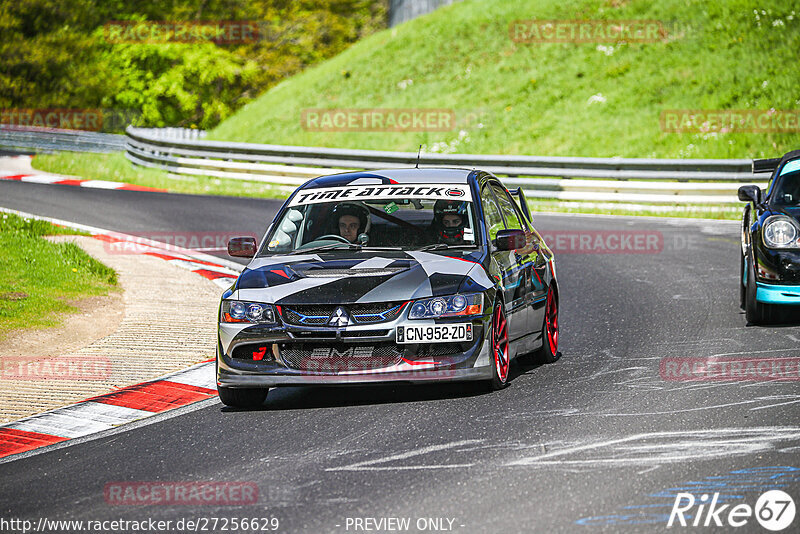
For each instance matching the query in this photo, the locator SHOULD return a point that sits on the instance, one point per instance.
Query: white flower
(598, 98)
(405, 83)
(777, 22)
(764, 84)
(607, 50)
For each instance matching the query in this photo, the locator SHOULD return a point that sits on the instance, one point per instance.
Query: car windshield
(409, 217)
(787, 192)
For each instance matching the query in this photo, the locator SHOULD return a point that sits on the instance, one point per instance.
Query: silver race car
(411, 275)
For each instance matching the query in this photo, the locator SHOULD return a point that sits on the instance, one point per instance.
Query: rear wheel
(242, 397)
(500, 355)
(549, 351)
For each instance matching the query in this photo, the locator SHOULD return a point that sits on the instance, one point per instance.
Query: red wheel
(549, 351)
(500, 356)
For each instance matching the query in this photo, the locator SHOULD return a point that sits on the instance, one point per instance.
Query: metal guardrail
(34, 139)
(184, 151)
(566, 178)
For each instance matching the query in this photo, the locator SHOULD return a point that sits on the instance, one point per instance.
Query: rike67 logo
(774, 510)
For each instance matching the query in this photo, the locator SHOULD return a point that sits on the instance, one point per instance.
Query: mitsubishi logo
(339, 318)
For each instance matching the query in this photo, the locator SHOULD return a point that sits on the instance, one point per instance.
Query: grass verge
(601, 98)
(38, 278)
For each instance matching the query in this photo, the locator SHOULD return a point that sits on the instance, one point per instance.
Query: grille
(338, 358)
(365, 333)
(433, 350)
(361, 313)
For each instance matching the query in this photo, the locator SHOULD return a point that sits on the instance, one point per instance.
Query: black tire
(242, 397)
(549, 351)
(497, 342)
(742, 288)
(756, 312)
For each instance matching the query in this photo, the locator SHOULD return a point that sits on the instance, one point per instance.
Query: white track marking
(101, 184)
(369, 465)
(61, 424)
(42, 179)
(675, 446)
(202, 375)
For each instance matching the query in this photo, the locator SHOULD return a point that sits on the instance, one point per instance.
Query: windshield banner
(382, 192)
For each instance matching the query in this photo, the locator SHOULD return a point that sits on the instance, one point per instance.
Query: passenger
(449, 221)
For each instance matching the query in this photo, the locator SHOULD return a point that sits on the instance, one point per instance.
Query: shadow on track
(307, 397)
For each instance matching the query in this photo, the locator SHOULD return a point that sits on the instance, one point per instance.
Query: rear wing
(519, 196)
(765, 165)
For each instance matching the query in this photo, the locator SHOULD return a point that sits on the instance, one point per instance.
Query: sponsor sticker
(381, 192)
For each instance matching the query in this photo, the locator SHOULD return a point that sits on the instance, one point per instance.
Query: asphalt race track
(597, 441)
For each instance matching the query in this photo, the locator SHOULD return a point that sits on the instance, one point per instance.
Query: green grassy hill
(566, 99)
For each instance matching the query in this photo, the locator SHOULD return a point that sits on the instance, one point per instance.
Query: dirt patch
(97, 318)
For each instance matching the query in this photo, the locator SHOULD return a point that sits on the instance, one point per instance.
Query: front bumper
(281, 344)
(778, 294)
(226, 378)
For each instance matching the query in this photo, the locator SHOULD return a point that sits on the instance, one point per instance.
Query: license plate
(439, 333)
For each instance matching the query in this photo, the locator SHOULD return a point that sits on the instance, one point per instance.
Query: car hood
(360, 277)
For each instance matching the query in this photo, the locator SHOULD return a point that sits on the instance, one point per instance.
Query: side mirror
(510, 239)
(750, 193)
(242, 247)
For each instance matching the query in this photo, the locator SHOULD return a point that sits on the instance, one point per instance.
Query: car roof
(436, 175)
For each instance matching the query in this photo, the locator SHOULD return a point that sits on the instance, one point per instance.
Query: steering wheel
(333, 236)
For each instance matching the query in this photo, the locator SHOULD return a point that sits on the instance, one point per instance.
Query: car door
(502, 259)
(522, 267)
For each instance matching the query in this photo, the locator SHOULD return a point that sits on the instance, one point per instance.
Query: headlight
(780, 232)
(450, 306)
(235, 311)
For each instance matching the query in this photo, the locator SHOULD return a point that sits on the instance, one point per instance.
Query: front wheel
(755, 312)
(242, 397)
(742, 288)
(549, 351)
(500, 356)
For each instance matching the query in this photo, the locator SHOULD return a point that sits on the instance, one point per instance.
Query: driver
(449, 220)
(350, 220)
